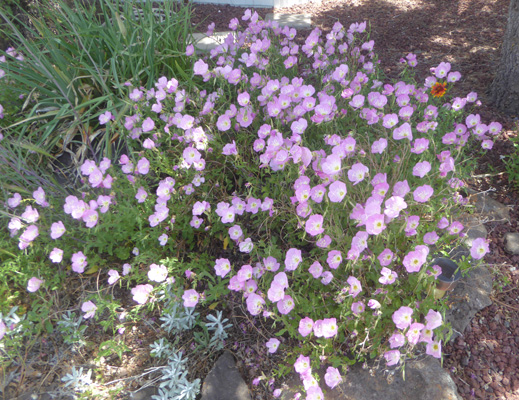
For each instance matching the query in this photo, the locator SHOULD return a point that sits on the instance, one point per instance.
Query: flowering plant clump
(333, 189)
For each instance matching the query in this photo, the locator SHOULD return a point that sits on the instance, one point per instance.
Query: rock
(512, 242)
(224, 382)
(298, 21)
(491, 209)
(471, 295)
(425, 379)
(473, 227)
(144, 394)
(205, 44)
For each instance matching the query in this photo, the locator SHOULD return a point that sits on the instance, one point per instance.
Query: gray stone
(473, 227)
(471, 295)
(224, 382)
(512, 242)
(205, 44)
(425, 379)
(491, 209)
(144, 393)
(298, 21)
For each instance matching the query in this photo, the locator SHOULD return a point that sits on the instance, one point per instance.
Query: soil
(483, 362)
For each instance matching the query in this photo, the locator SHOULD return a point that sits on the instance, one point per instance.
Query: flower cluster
(335, 190)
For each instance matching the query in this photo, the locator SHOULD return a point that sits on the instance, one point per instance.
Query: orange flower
(439, 89)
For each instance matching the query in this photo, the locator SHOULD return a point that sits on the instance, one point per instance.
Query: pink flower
(89, 308)
(358, 308)
(430, 238)
(479, 248)
(414, 333)
(355, 286)
(246, 246)
(293, 259)
(113, 276)
(190, 50)
(230, 149)
(421, 169)
(3, 329)
(141, 293)
(455, 228)
(434, 319)
(375, 224)
(314, 225)
(105, 118)
(200, 67)
(434, 349)
(276, 292)
(423, 193)
(336, 191)
(223, 123)
(329, 327)
(385, 257)
(285, 305)
(316, 269)
(190, 298)
(271, 264)
(357, 173)
(414, 260)
(245, 273)
(272, 345)
(332, 377)
(326, 277)
(148, 125)
(90, 217)
(34, 284)
(388, 277)
(222, 267)
(392, 357)
(396, 340)
(157, 273)
(379, 146)
(56, 255)
(255, 303)
(334, 259)
(443, 223)
(143, 166)
(30, 215)
(79, 262)
(126, 268)
(403, 317)
(39, 197)
(306, 326)
(302, 364)
(14, 201)
(403, 132)
(57, 229)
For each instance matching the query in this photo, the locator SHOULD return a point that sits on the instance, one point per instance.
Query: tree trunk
(504, 91)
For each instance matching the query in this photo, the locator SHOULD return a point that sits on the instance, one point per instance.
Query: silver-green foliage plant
(71, 330)
(218, 327)
(77, 380)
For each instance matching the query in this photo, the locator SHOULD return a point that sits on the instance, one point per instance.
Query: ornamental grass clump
(332, 189)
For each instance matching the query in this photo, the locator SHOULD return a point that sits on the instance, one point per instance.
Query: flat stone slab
(204, 43)
(224, 382)
(298, 21)
(425, 379)
(512, 242)
(471, 295)
(490, 209)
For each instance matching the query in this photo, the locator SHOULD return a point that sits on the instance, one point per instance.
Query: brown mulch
(483, 362)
